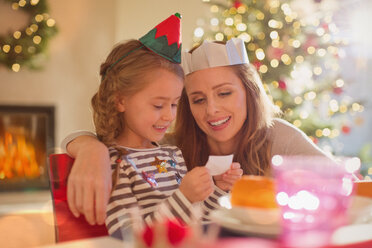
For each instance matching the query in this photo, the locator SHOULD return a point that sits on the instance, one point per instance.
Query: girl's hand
(197, 184)
(226, 180)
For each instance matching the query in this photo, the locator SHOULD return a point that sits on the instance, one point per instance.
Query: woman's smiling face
(217, 100)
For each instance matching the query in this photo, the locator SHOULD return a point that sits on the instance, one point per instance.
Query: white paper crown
(211, 54)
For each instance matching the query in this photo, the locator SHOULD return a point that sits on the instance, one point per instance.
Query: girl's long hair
(254, 147)
(123, 77)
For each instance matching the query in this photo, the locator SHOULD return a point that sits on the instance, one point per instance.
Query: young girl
(135, 104)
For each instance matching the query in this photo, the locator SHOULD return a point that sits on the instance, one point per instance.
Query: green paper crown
(165, 39)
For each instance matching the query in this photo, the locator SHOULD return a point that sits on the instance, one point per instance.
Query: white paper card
(218, 165)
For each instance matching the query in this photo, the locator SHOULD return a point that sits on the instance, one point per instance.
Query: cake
(254, 191)
(363, 188)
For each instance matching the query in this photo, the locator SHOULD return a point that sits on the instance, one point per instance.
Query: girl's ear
(120, 104)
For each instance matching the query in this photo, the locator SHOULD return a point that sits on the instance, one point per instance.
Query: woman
(223, 110)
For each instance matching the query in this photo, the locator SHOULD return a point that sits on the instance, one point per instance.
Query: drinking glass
(313, 194)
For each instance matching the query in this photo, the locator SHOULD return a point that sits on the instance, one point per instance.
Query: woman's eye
(227, 93)
(158, 106)
(197, 101)
(174, 105)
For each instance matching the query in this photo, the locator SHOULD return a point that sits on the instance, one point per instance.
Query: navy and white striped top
(154, 199)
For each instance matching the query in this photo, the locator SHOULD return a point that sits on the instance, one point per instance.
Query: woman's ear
(120, 104)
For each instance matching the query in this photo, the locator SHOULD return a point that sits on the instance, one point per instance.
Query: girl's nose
(169, 113)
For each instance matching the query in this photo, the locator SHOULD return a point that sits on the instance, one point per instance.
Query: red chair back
(68, 227)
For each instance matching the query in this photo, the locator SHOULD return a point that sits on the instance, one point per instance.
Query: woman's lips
(220, 123)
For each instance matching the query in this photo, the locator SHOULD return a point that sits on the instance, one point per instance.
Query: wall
(70, 76)
(87, 32)
(134, 19)
(353, 19)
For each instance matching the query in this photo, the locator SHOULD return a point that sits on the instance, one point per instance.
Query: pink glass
(313, 194)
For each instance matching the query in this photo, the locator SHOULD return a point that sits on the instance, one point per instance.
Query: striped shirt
(148, 184)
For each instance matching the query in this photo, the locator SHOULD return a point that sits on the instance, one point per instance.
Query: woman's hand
(89, 183)
(226, 180)
(197, 184)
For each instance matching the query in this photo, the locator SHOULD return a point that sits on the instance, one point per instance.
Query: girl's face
(218, 103)
(149, 112)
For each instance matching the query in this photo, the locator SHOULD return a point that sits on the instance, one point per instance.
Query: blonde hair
(254, 147)
(123, 77)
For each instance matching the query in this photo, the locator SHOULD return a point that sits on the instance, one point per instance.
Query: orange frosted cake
(254, 191)
(363, 188)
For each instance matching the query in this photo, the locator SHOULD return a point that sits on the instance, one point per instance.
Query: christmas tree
(297, 57)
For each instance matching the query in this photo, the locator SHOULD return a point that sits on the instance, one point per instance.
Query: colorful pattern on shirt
(155, 198)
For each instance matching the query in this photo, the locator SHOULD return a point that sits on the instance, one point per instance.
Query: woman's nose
(212, 107)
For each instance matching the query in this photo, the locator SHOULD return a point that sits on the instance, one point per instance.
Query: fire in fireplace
(26, 138)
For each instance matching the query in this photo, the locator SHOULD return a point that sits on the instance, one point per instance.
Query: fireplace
(26, 138)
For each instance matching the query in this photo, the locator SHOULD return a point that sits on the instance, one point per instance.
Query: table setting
(265, 224)
(319, 203)
(308, 202)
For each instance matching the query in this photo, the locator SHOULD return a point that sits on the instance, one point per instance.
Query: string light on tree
(298, 58)
(26, 47)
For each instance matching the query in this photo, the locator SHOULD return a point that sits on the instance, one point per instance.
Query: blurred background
(314, 56)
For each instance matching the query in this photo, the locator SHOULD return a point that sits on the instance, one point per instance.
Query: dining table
(99, 242)
(226, 242)
(234, 234)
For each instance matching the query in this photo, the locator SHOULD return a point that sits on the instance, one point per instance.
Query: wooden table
(104, 242)
(101, 242)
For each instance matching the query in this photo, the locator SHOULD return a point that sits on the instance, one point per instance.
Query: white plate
(360, 211)
(265, 223)
(225, 219)
(252, 216)
(352, 234)
(260, 222)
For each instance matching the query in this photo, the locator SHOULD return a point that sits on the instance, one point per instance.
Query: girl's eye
(198, 101)
(158, 106)
(227, 93)
(174, 105)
